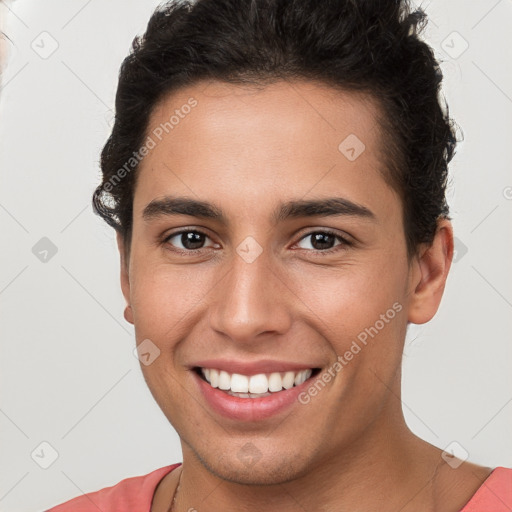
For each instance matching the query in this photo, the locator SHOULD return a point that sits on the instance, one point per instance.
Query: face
(264, 247)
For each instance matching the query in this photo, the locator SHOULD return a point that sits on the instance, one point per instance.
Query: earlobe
(128, 314)
(125, 278)
(430, 275)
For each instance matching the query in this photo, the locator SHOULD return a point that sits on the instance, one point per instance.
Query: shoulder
(135, 493)
(495, 493)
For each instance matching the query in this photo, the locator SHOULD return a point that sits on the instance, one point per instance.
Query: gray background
(68, 374)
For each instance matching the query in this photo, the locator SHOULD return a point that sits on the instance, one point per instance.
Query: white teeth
(224, 380)
(248, 395)
(302, 376)
(214, 378)
(275, 382)
(288, 380)
(258, 383)
(254, 386)
(239, 383)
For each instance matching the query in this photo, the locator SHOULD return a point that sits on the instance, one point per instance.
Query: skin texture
(248, 150)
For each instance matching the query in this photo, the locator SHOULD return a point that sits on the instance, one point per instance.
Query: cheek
(165, 297)
(351, 296)
(360, 310)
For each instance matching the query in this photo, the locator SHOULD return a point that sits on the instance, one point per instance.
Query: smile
(254, 386)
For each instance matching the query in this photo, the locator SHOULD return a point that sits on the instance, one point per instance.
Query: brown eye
(189, 240)
(323, 241)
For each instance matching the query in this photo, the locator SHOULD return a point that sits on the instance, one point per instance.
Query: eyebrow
(331, 206)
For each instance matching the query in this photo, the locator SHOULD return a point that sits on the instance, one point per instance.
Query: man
(276, 176)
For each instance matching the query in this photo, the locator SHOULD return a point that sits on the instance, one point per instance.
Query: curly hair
(367, 46)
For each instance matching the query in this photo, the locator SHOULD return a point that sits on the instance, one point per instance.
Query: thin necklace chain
(171, 508)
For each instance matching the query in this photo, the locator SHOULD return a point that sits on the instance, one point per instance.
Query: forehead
(285, 140)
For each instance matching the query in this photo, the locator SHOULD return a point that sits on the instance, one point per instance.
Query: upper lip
(253, 367)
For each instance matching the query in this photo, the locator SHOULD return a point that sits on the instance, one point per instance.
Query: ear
(125, 278)
(429, 274)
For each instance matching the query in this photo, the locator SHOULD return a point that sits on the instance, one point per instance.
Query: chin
(248, 466)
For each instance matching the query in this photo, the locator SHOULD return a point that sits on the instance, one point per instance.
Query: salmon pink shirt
(136, 494)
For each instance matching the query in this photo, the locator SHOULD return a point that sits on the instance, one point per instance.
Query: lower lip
(249, 409)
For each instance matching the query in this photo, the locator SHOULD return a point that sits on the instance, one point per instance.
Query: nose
(251, 302)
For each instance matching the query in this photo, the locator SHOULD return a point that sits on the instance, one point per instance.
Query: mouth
(260, 385)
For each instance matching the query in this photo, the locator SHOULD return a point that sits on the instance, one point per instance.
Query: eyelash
(342, 246)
